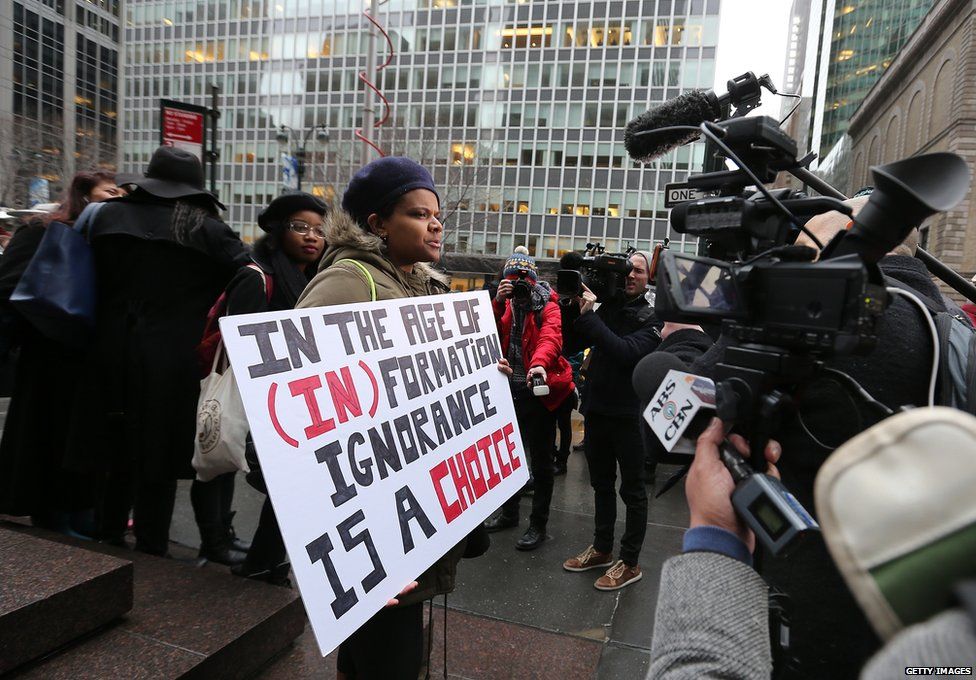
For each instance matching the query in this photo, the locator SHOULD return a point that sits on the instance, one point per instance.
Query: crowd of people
(98, 433)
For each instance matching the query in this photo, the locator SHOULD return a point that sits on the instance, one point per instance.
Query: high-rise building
(865, 35)
(58, 92)
(517, 107)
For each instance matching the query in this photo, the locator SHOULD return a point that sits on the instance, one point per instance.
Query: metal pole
(951, 278)
(368, 113)
(214, 155)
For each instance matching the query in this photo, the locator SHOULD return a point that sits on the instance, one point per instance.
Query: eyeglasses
(303, 228)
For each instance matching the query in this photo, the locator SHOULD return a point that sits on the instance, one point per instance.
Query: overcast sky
(752, 37)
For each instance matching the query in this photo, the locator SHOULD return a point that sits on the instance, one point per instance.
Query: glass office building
(59, 84)
(517, 107)
(865, 37)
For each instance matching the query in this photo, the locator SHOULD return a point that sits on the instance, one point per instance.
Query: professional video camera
(783, 312)
(605, 274)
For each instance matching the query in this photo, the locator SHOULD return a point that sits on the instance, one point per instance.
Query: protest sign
(385, 433)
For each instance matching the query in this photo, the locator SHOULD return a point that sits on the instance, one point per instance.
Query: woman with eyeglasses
(284, 260)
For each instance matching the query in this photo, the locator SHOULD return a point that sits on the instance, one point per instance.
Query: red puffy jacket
(540, 347)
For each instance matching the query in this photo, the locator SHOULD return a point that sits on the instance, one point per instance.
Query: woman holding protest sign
(378, 249)
(283, 262)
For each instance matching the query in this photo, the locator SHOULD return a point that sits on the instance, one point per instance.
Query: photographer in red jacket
(530, 327)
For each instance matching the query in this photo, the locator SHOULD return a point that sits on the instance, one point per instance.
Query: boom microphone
(691, 108)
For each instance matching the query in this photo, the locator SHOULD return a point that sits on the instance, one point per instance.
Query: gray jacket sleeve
(947, 639)
(712, 621)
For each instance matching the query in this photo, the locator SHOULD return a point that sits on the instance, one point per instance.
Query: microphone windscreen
(650, 371)
(571, 260)
(691, 108)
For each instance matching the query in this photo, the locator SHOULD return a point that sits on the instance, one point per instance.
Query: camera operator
(711, 611)
(529, 325)
(619, 333)
(829, 636)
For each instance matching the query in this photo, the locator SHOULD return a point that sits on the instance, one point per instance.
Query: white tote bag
(221, 425)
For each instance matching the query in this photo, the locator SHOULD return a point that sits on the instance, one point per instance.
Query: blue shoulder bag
(56, 294)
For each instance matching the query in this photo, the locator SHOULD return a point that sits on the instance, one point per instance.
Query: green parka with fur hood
(345, 283)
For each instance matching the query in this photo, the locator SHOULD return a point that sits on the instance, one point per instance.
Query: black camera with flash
(521, 287)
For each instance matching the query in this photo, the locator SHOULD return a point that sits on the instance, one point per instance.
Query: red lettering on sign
(306, 387)
(344, 396)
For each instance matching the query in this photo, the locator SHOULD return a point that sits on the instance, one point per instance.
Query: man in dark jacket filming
(619, 333)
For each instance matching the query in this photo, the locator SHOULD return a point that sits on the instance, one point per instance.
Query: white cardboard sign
(385, 433)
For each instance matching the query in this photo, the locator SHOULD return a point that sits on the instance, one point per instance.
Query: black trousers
(564, 420)
(212, 503)
(390, 646)
(267, 547)
(538, 427)
(614, 442)
(151, 502)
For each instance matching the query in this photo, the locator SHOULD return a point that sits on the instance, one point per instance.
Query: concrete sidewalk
(516, 614)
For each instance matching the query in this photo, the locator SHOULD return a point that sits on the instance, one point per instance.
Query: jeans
(612, 442)
(538, 427)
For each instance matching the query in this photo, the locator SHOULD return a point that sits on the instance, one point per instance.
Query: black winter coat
(619, 336)
(35, 431)
(832, 637)
(155, 285)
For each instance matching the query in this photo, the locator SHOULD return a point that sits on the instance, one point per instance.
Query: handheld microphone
(679, 405)
(691, 108)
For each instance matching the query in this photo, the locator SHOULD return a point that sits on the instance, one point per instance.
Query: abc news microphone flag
(386, 434)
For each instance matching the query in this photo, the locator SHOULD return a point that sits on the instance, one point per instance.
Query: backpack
(211, 340)
(956, 379)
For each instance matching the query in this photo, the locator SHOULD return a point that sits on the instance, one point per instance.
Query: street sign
(681, 192)
(183, 126)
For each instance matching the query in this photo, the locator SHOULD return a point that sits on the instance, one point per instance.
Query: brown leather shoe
(588, 559)
(618, 576)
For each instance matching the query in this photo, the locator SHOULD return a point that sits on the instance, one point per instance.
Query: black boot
(531, 539)
(276, 576)
(215, 545)
(499, 522)
(236, 542)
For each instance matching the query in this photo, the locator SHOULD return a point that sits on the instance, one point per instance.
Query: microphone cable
(935, 336)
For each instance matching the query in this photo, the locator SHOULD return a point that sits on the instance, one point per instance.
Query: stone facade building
(926, 102)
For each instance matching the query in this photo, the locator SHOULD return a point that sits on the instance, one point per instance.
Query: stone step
(52, 594)
(186, 621)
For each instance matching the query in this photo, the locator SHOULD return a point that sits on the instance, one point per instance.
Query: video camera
(783, 312)
(605, 274)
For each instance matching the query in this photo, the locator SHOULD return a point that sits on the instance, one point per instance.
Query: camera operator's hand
(672, 326)
(504, 290)
(535, 370)
(709, 486)
(587, 300)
